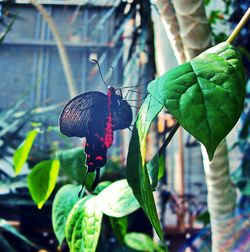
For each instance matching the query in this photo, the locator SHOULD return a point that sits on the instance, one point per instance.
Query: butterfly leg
(133, 91)
(83, 184)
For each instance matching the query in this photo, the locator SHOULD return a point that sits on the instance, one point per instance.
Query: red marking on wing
(108, 131)
(99, 158)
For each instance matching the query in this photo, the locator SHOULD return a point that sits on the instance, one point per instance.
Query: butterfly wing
(84, 113)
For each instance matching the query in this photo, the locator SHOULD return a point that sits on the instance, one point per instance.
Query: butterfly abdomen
(108, 131)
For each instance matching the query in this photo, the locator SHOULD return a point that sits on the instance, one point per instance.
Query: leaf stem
(240, 25)
(169, 137)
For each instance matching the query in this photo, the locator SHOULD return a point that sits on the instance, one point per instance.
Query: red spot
(90, 163)
(87, 145)
(88, 156)
(100, 158)
(108, 131)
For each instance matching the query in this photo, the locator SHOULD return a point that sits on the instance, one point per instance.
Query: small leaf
(42, 180)
(101, 186)
(139, 242)
(63, 203)
(73, 164)
(22, 152)
(119, 226)
(117, 200)
(137, 174)
(203, 93)
(83, 225)
(7, 227)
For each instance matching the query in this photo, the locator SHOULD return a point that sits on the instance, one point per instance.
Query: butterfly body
(95, 116)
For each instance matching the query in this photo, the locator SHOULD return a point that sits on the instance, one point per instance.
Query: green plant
(200, 94)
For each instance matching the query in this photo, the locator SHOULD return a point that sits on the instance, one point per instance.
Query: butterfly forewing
(84, 113)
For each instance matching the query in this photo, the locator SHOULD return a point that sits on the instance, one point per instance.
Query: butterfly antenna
(143, 84)
(100, 72)
(83, 183)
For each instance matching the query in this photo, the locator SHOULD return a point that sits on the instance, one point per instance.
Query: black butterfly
(95, 116)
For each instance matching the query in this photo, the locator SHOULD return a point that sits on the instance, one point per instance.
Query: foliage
(229, 16)
(42, 180)
(199, 94)
(212, 83)
(83, 225)
(64, 201)
(22, 152)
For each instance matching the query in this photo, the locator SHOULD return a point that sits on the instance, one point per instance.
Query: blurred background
(36, 83)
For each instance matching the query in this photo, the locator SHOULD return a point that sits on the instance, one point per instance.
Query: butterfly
(95, 116)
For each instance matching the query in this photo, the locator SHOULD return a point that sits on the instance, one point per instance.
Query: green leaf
(119, 226)
(83, 225)
(203, 93)
(139, 242)
(156, 168)
(117, 200)
(73, 164)
(42, 180)
(63, 203)
(22, 152)
(7, 227)
(101, 186)
(137, 174)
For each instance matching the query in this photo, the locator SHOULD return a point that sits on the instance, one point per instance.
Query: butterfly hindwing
(85, 112)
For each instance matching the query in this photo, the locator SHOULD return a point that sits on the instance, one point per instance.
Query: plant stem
(168, 139)
(240, 25)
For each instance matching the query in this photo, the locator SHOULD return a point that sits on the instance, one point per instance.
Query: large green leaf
(72, 162)
(205, 95)
(83, 225)
(137, 174)
(22, 152)
(42, 180)
(63, 203)
(117, 200)
(139, 242)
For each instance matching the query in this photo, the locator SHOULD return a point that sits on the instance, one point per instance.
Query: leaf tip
(40, 205)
